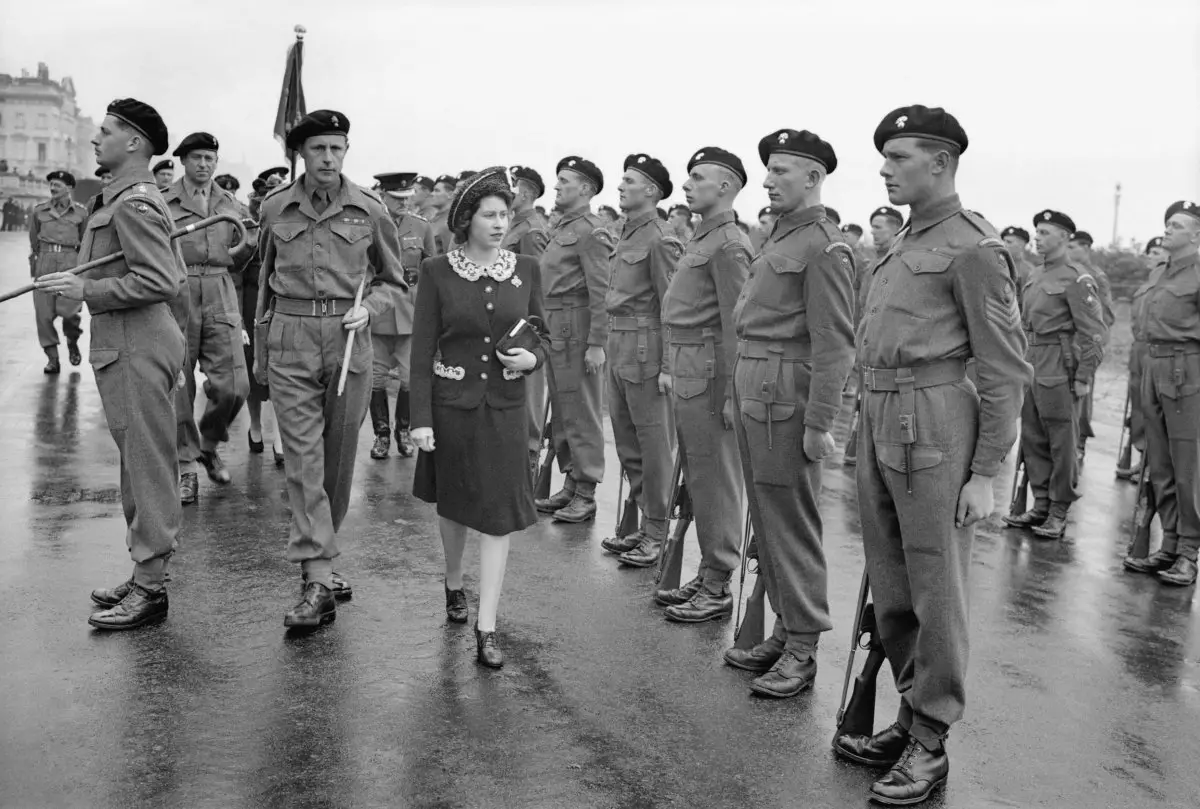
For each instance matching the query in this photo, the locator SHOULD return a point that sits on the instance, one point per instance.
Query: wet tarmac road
(1084, 687)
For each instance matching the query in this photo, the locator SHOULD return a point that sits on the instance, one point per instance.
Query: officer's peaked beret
(63, 176)
(585, 168)
(195, 142)
(917, 121)
(320, 122)
(653, 170)
(228, 182)
(144, 118)
(162, 164)
(1013, 230)
(889, 212)
(798, 142)
(717, 156)
(528, 175)
(1049, 217)
(1183, 206)
(396, 181)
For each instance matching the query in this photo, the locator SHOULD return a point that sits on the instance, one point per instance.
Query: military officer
(391, 336)
(137, 350)
(795, 350)
(323, 238)
(1063, 317)
(229, 183)
(698, 375)
(930, 443)
(164, 174)
(266, 181)
(439, 204)
(1079, 250)
(528, 235)
(1170, 320)
(575, 269)
(418, 203)
(642, 265)
(1017, 241)
(885, 222)
(1154, 259)
(55, 230)
(214, 322)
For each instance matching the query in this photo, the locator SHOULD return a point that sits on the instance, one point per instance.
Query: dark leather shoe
(1154, 563)
(788, 677)
(256, 447)
(644, 555)
(1181, 574)
(619, 545)
(278, 457)
(1029, 519)
(913, 778)
(52, 365)
(758, 659)
(340, 588)
(215, 467)
(1054, 526)
(112, 597)
(138, 608)
(580, 509)
(881, 750)
(487, 649)
(189, 487)
(680, 595)
(404, 444)
(704, 606)
(73, 354)
(381, 447)
(456, 605)
(317, 607)
(555, 502)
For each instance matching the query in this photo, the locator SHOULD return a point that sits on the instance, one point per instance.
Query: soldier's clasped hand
(64, 284)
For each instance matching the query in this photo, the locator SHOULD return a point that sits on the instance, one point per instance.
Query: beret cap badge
(783, 137)
(699, 156)
(901, 121)
(642, 159)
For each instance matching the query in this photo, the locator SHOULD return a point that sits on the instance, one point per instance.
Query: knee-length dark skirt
(478, 472)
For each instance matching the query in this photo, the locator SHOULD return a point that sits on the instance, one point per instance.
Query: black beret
(425, 182)
(766, 212)
(101, 171)
(675, 208)
(228, 182)
(145, 119)
(1049, 217)
(717, 156)
(194, 142)
(653, 170)
(321, 122)
(1013, 230)
(282, 171)
(259, 185)
(466, 175)
(1183, 206)
(831, 213)
(528, 175)
(583, 167)
(1083, 237)
(931, 123)
(851, 228)
(163, 164)
(802, 143)
(1153, 243)
(889, 212)
(489, 182)
(446, 179)
(396, 180)
(66, 176)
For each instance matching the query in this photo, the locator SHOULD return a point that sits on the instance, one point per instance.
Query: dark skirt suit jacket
(456, 327)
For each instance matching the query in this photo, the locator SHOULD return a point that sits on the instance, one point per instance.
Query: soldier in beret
(1017, 241)
(642, 265)
(419, 201)
(698, 376)
(1065, 322)
(439, 203)
(679, 217)
(164, 174)
(137, 350)
(391, 336)
(795, 349)
(528, 235)
(1079, 250)
(1154, 259)
(1170, 321)
(575, 269)
(323, 238)
(930, 443)
(56, 228)
(229, 183)
(264, 183)
(214, 321)
(766, 221)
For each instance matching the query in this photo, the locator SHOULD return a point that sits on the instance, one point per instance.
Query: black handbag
(524, 334)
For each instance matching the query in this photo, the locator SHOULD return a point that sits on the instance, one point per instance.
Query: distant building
(41, 130)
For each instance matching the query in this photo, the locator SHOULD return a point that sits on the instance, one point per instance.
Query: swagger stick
(350, 338)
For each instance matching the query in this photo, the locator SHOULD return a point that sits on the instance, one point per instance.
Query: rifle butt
(752, 630)
(859, 716)
(1143, 517)
(670, 569)
(629, 521)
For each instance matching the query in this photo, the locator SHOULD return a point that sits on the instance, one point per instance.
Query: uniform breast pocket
(411, 253)
(1179, 308)
(690, 281)
(350, 243)
(293, 247)
(565, 239)
(631, 262)
(778, 282)
(98, 236)
(923, 285)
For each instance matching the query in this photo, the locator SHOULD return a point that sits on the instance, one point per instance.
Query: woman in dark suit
(468, 399)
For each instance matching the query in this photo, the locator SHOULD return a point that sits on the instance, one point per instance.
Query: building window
(41, 153)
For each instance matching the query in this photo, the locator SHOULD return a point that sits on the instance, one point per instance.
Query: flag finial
(300, 31)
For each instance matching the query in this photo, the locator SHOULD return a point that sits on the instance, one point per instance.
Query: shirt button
(487, 339)
(487, 289)
(483, 376)
(884, 281)
(483, 357)
(490, 307)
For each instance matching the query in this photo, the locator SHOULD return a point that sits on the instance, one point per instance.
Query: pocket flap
(757, 410)
(893, 456)
(634, 256)
(692, 260)
(103, 357)
(351, 233)
(785, 264)
(99, 220)
(566, 238)
(287, 231)
(409, 242)
(689, 388)
(920, 261)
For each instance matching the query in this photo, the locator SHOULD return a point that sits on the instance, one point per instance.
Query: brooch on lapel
(516, 281)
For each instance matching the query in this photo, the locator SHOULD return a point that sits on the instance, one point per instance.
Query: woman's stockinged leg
(454, 540)
(493, 560)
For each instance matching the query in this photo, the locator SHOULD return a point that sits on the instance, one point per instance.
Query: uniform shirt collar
(936, 213)
(129, 176)
(633, 224)
(1182, 264)
(197, 191)
(711, 223)
(574, 213)
(310, 188)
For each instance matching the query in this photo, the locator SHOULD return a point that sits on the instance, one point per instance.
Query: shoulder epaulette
(371, 194)
(978, 222)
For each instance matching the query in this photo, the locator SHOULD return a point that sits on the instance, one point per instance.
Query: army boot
(73, 352)
(792, 673)
(1181, 574)
(559, 500)
(189, 487)
(619, 545)
(380, 424)
(52, 365)
(138, 608)
(760, 658)
(712, 602)
(1030, 519)
(582, 506)
(404, 444)
(1056, 522)
(1156, 562)
(914, 777)
(680, 595)
(646, 553)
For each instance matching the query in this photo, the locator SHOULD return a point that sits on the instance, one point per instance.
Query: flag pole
(300, 31)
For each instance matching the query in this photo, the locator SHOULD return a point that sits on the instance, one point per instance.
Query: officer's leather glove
(423, 438)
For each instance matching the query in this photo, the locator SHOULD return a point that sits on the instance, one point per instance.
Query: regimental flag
(291, 97)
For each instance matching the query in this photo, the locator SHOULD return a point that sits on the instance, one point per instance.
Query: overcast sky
(1061, 99)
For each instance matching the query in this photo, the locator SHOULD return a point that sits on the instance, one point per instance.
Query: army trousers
(576, 396)
(917, 560)
(137, 355)
(642, 425)
(319, 428)
(1050, 429)
(1171, 397)
(47, 307)
(709, 455)
(214, 341)
(1084, 405)
(771, 397)
(1138, 360)
(390, 351)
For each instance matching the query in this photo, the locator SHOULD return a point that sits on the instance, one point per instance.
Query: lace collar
(503, 268)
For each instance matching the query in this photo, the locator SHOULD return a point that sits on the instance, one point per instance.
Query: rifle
(1019, 500)
(670, 562)
(541, 488)
(752, 630)
(627, 514)
(1143, 516)
(754, 514)
(858, 715)
(850, 458)
(1125, 446)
